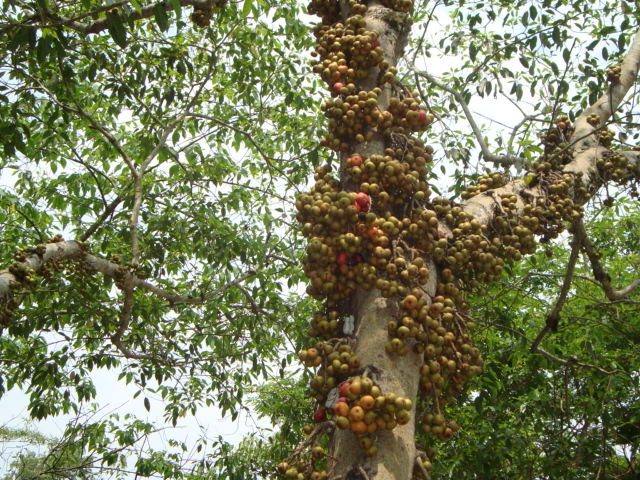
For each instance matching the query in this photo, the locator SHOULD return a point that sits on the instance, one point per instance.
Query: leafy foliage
(226, 116)
(529, 415)
(220, 118)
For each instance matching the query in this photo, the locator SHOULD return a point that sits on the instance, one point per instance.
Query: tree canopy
(152, 156)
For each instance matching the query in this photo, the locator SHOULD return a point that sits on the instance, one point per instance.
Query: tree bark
(399, 374)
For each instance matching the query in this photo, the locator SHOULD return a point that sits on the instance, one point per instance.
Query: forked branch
(609, 102)
(603, 278)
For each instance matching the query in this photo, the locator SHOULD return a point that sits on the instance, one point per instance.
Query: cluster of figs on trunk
(376, 226)
(374, 233)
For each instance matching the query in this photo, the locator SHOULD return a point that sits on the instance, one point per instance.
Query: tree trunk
(398, 374)
(372, 313)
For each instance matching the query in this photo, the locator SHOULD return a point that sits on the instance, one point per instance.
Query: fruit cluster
(24, 277)
(377, 235)
(303, 467)
(605, 137)
(613, 74)
(614, 166)
(363, 409)
(557, 148)
(201, 15)
(335, 364)
(377, 226)
(485, 182)
(399, 5)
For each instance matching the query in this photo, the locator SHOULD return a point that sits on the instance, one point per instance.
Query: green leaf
(147, 404)
(246, 8)
(160, 14)
(116, 28)
(177, 8)
(136, 5)
(555, 34)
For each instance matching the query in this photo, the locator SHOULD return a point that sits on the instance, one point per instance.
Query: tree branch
(244, 133)
(101, 24)
(504, 160)
(555, 358)
(74, 249)
(168, 129)
(572, 361)
(609, 102)
(125, 321)
(107, 212)
(583, 165)
(94, 124)
(603, 278)
(553, 318)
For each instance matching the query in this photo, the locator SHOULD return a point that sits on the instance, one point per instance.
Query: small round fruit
(320, 415)
(367, 402)
(344, 388)
(355, 160)
(359, 427)
(342, 423)
(341, 409)
(355, 388)
(356, 413)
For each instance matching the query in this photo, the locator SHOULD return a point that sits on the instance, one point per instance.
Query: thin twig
(423, 471)
(106, 214)
(505, 160)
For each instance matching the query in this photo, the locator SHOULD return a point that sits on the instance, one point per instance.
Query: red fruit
(343, 389)
(422, 116)
(358, 208)
(375, 43)
(338, 86)
(343, 258)
(320, 415)
(355, 160)
(364, 201)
